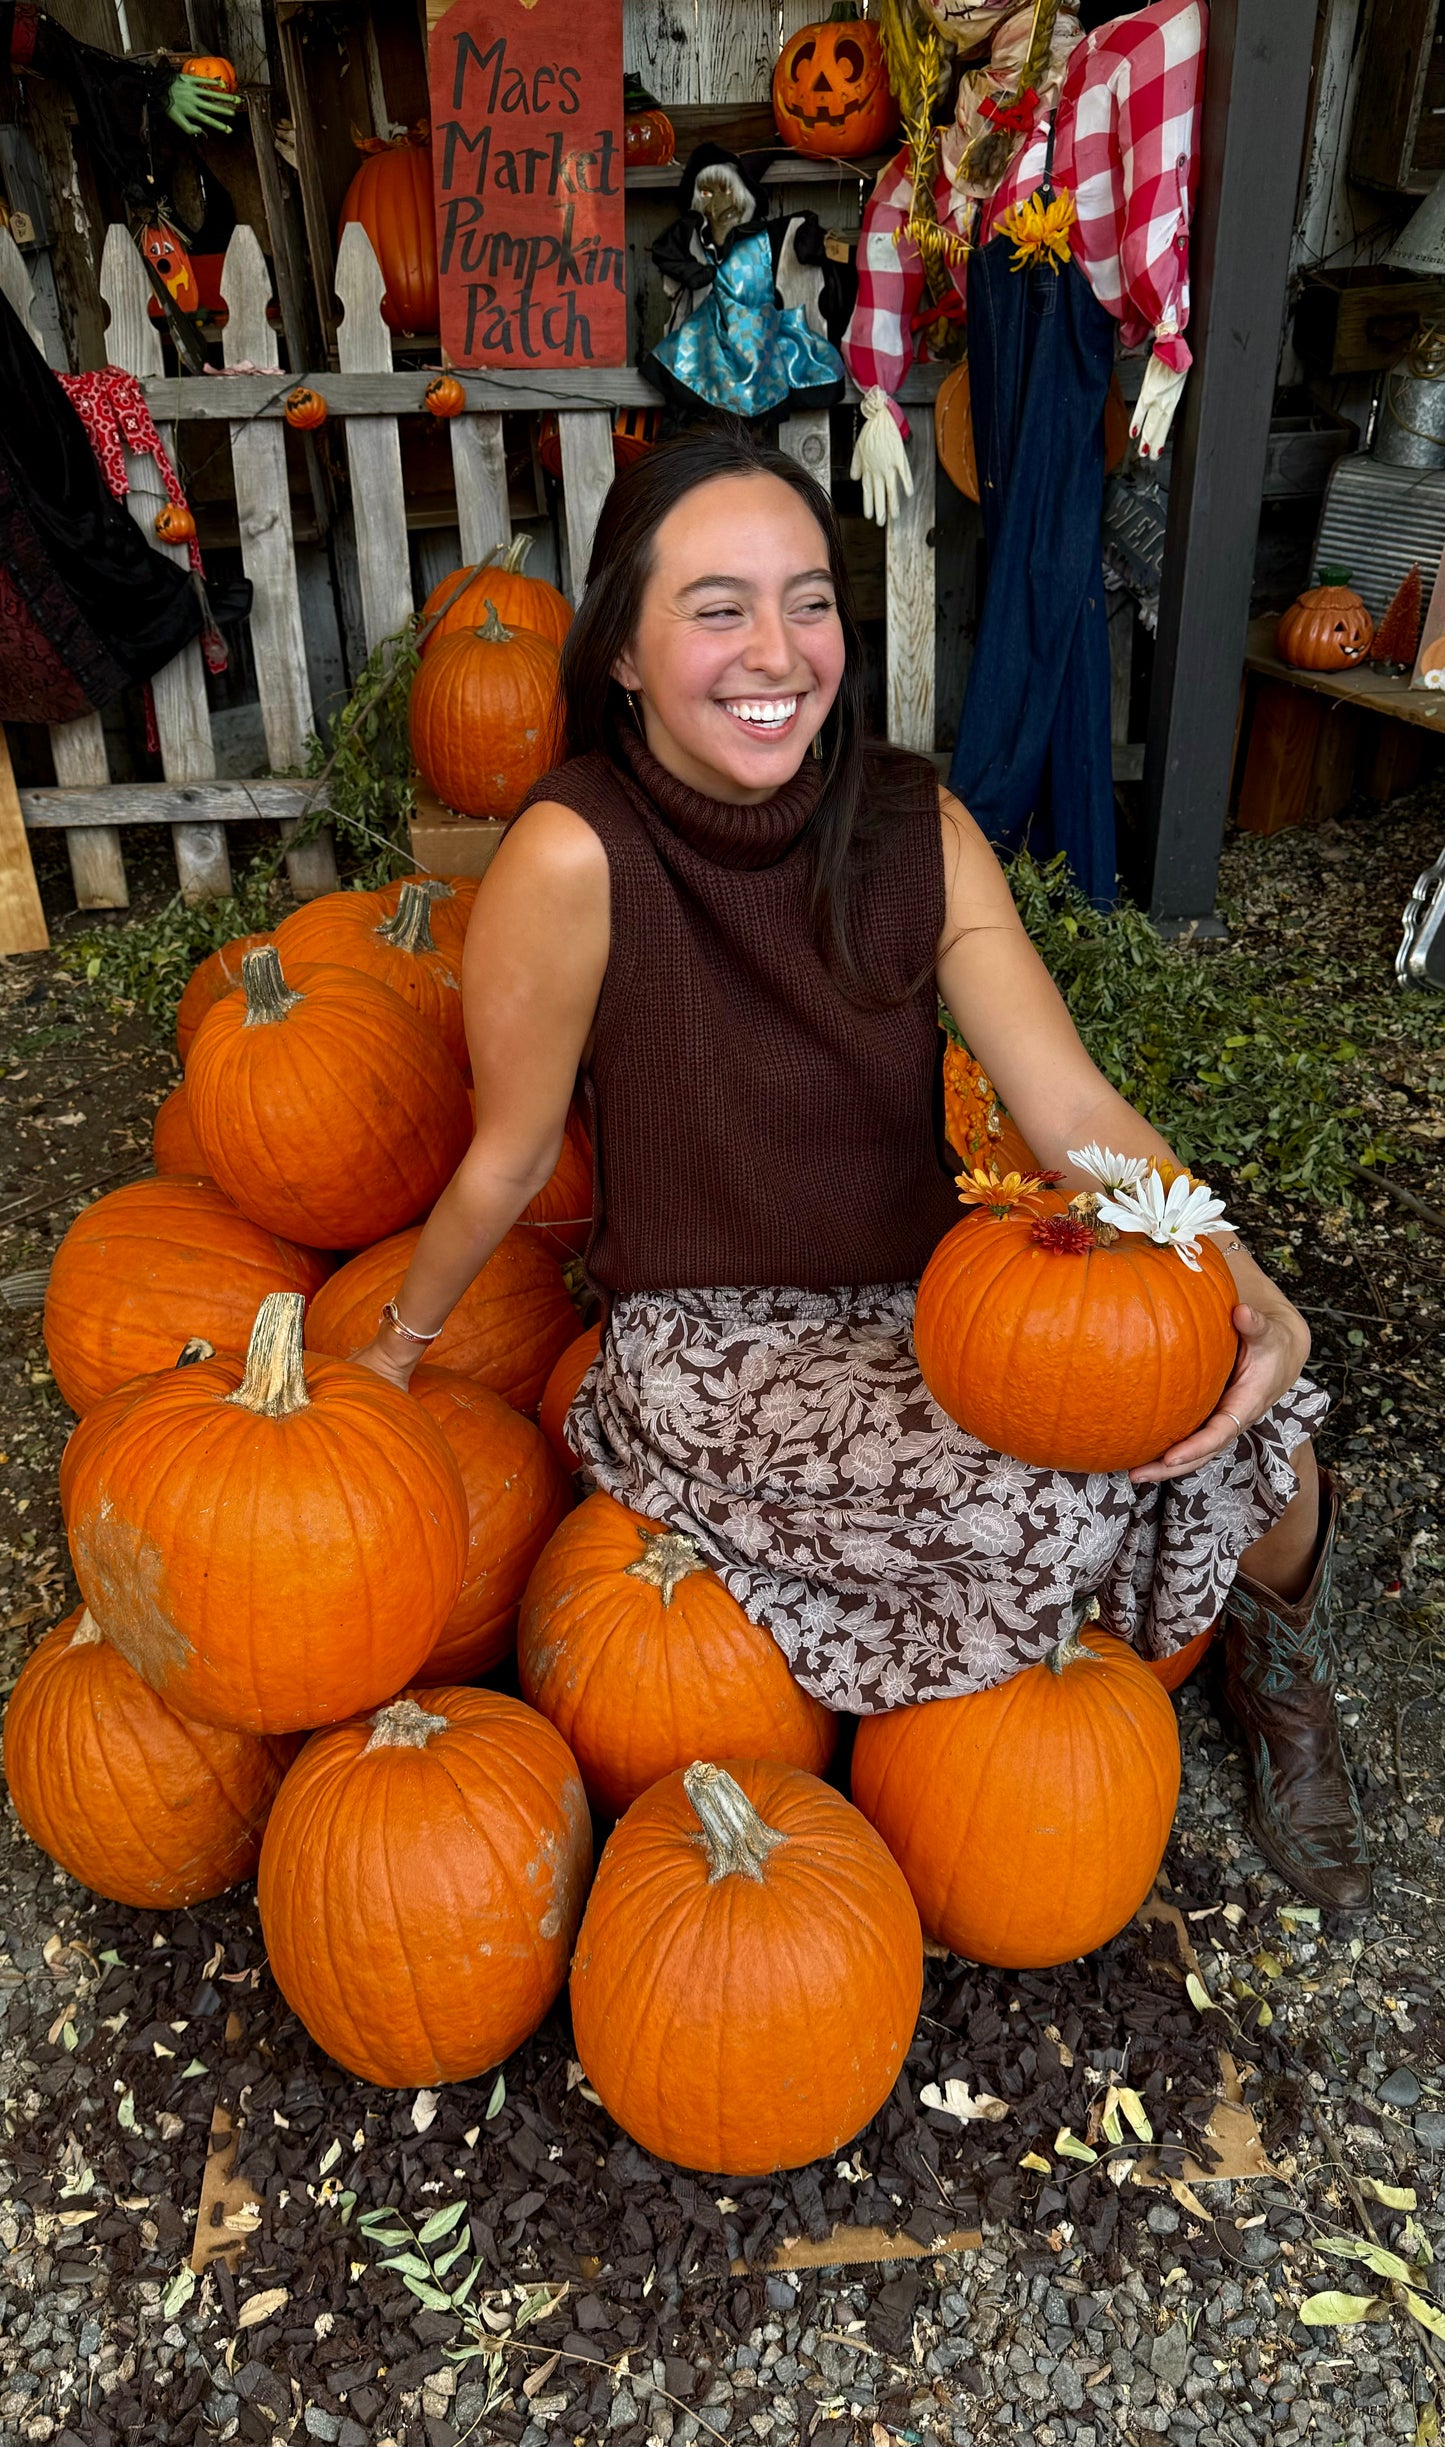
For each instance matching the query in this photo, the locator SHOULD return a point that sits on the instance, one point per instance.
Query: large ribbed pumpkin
(421, 1882)
(460, 601)
(511, 1323)
(391, 196)
(483, 716)
(560, 1215)
(749, 1970)
(561, 1390)
(516, 1496)
(1029, 1820)
(218, 974)
(273, 1543)
(1095, 1359)
(451, 898)
(138, 1803)
(643, 1661)
(324, 1106)
(148, 1266)
(356, 930)
(173, 1141)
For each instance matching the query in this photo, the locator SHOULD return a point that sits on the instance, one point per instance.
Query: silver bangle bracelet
(390, 1317)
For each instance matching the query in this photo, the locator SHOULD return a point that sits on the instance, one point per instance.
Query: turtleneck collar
(718, 829)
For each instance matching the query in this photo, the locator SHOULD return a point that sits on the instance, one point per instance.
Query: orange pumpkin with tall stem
(356, 930)
(460, 600)
(483, 716)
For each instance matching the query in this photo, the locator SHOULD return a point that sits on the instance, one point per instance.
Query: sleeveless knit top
(752, 1126)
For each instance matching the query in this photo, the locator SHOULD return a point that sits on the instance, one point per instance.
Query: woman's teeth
(762, 713)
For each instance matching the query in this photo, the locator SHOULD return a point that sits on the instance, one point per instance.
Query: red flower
(1065, 1233)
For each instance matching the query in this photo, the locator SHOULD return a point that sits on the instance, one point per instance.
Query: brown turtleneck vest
(753, 1125)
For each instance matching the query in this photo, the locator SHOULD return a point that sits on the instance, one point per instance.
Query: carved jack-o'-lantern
(174, 524)
(165, 252)
(831, 95)
(211, 71)
(305, 409)
(1326, 629)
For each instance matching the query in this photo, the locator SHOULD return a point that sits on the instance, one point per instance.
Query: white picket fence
(367, 396)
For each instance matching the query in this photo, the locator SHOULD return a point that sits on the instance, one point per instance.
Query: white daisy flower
(1110, 1171)
(1177, 1218)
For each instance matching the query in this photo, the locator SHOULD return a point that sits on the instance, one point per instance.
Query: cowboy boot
(1303, 1813)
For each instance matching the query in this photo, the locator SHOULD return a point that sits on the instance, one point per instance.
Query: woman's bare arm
(536, 954)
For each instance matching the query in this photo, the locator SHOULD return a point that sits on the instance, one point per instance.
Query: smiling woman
(735, 915)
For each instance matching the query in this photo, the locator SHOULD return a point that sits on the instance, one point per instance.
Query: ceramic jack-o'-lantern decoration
(305, 409)
(648, 137)
(174, 524)
(444, 396)
(831, 96)
(1327, 629)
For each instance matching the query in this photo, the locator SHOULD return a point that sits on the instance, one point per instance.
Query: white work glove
(880, 461)
(1154, 409)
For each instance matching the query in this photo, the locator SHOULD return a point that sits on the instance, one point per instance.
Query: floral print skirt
(892, 1557)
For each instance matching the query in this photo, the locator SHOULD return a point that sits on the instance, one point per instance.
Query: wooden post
(586, 438)
(1256, 95)
(22, 920)
(373, 445)
(805, 438)
(912, 602)
(479, 471)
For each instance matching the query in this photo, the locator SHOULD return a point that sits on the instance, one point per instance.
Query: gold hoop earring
(817, 747)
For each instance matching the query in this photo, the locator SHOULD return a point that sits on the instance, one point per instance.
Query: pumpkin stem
(268, 997)
(667, 1557)
(404, 1725)
(193, 1352)
(274, 1384)
(491, 628)
(735, 1839)
(409, 929)
(513, 559)
(87, 1632)
(1071, 1649)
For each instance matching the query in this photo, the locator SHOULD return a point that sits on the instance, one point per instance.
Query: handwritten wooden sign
(527, 152)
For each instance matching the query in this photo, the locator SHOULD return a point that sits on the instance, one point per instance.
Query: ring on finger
(1239, 1423)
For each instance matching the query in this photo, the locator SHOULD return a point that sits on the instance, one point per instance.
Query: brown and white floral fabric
(892, 1557)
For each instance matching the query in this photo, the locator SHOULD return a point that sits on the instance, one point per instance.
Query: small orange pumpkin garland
(305, 408)
(174, 524)
(444, 396)
(1325, 629)
(483, 716)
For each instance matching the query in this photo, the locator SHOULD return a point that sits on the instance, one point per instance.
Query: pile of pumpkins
(295, 1577)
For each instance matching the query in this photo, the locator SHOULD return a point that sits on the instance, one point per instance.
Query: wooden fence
(366, 395)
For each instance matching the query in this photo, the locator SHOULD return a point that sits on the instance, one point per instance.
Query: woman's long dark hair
(865, 785)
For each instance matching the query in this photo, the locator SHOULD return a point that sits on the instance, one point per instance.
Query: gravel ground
(608, 2292)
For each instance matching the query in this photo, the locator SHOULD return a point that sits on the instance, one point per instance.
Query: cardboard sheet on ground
(229, 2210)
(1231, 2129)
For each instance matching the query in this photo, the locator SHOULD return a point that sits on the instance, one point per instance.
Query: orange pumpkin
(1173, 1672)
(174, 524)
(356, 930)
(1029, 1820)
(421, 1882)
(219, 973)
(831, 95)
(461, 600)
(516, 1496)
(138, 1803)
(649, 140)
(483, 716)
(560, 1215)
(305, 408)
(636, 1652)
(211, 71)
(173, 1141)
(509, 1326)
(391, 196)
(275, 1542)
(1326, 629)
(749, 1970)
(444, 396)
(151, 1264)
(451, 898)
(92, 1428)
(1091, 1360)
(323, 1104)
(561, 1391)
(634, 430)
(978, 1131)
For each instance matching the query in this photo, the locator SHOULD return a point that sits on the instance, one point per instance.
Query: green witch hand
(200, 108)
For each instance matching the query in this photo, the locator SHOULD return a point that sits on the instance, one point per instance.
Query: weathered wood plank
(479, 471)
(262, 397)
(911, 603)
(587, 471)
(199, 803)
(97, 867)
(22, 920)
(373, 445)
(805, 438)
(16, 285)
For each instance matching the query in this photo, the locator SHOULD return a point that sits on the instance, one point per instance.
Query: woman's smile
(770, 716)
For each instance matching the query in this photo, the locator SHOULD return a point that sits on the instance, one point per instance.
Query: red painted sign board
(527, 153)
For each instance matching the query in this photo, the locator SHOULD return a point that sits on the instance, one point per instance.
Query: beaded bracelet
(390, 1317)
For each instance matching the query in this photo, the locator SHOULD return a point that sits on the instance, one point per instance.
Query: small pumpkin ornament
(461, 600)
(749, 1970)
(305, 408)
(355, 930)
(1053, 1336)
(1327, 628)
(219, 973)
(271, 1542)
(508, 1329)
(174, 524)
(451, 898)
(483, 716)
(324, 1105)
(141, 1805)
(517, 1495)
(561, 1391)
(1029, 1820)
(146, 1267)
(633, 1648)
(831, 95)
(211, 71)
(421, 1881)
(173, 1141)
(444, 396)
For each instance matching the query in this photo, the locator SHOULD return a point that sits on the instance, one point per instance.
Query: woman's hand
(1274, 1343)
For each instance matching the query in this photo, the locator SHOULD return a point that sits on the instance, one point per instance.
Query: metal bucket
(1410, 426)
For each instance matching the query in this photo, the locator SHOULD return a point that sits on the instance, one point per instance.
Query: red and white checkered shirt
(1126, 148)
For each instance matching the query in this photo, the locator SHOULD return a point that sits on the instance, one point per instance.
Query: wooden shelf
(1371, 690)
(791, 170)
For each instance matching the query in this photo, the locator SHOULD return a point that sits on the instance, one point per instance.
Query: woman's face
(738, 651)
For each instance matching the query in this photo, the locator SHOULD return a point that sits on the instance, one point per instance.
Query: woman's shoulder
(583, 783)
